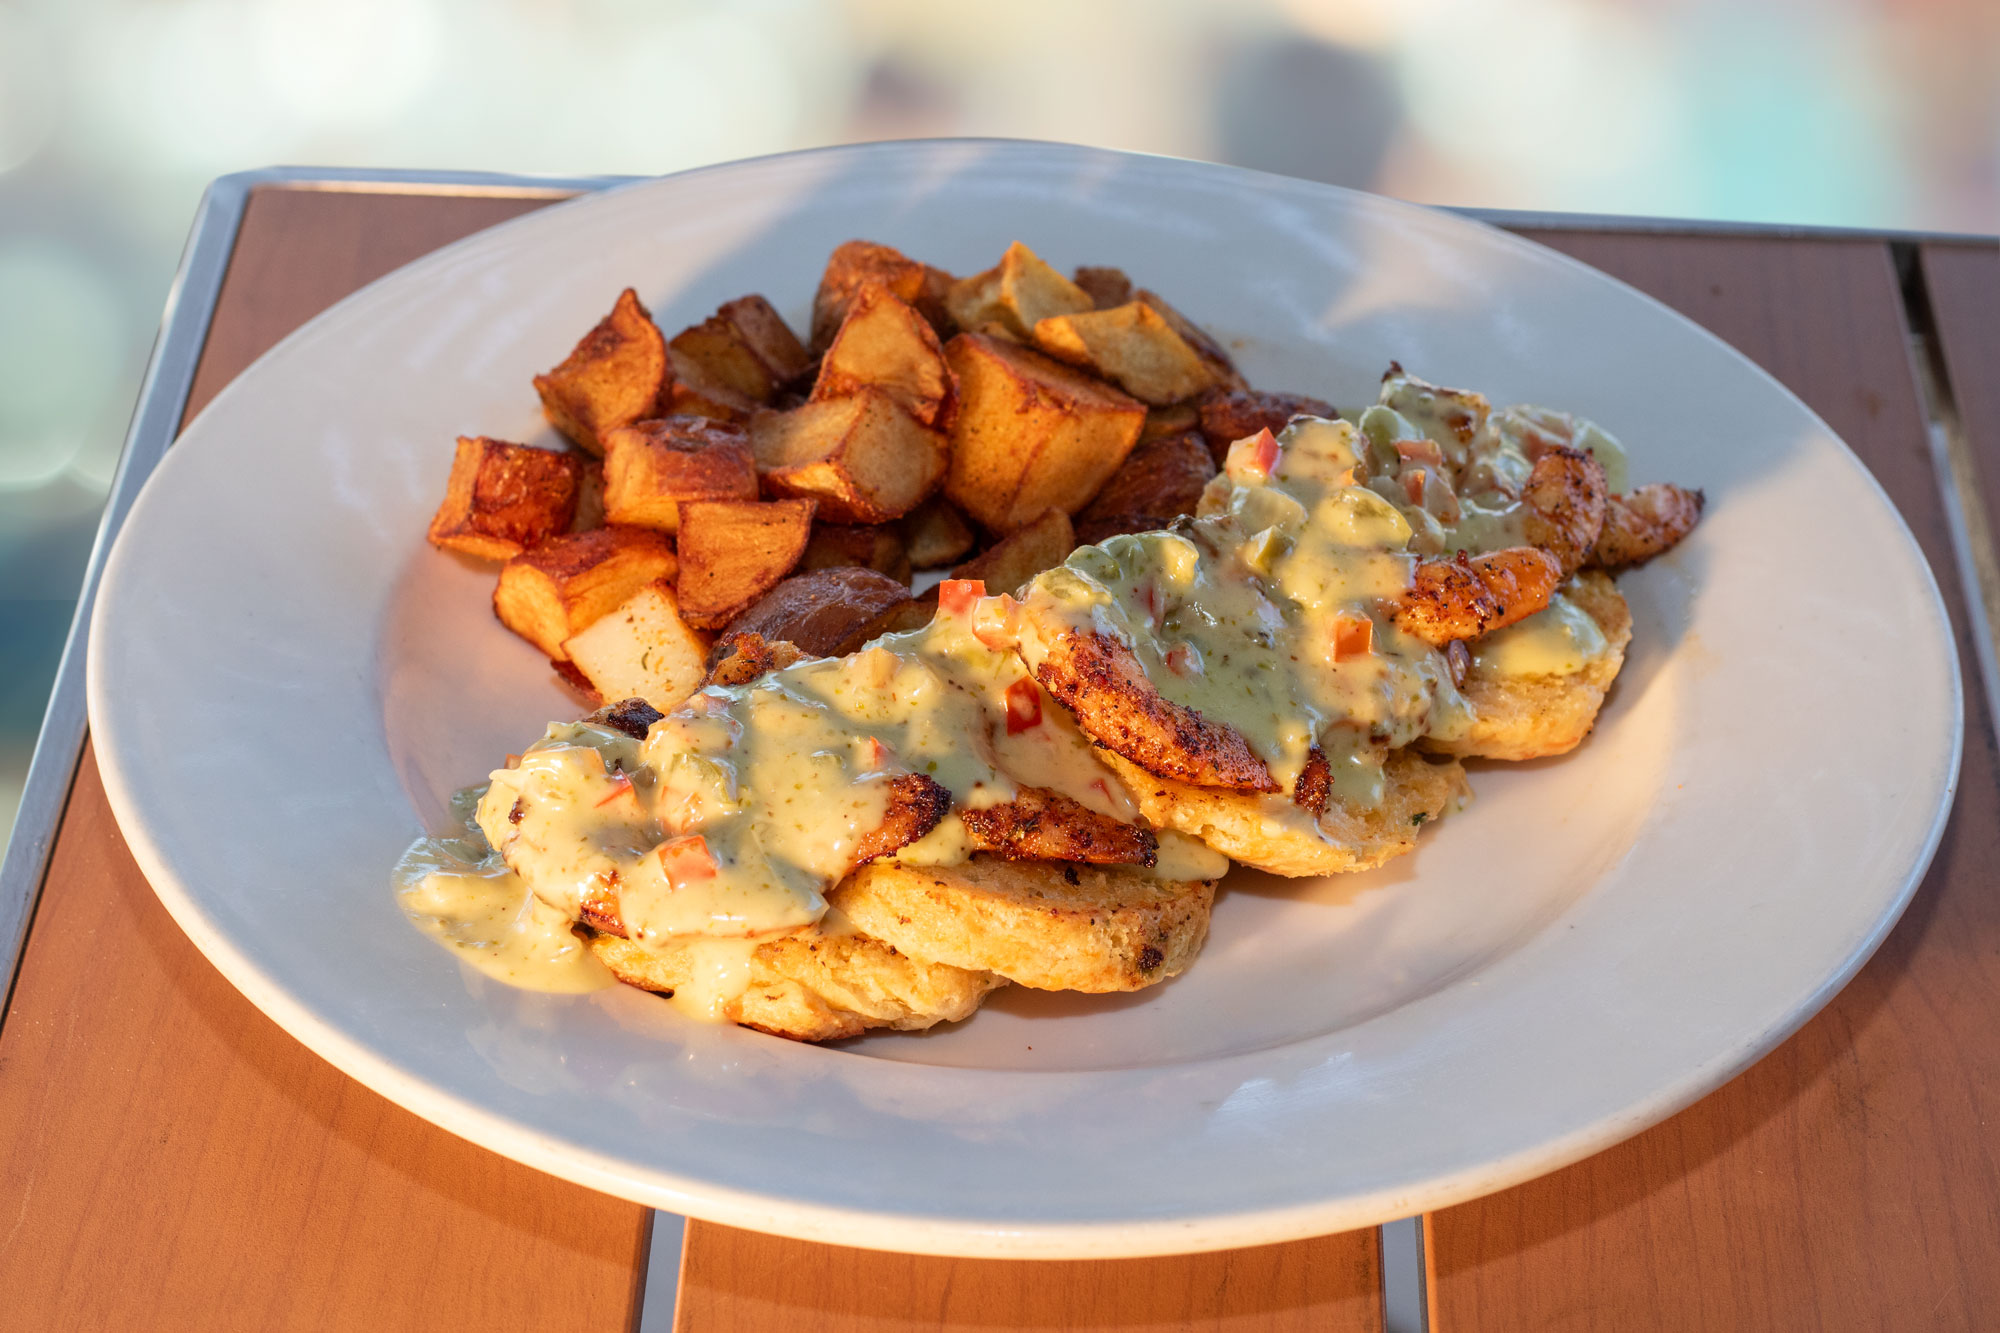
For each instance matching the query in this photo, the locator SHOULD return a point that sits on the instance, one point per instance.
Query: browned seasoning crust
(1315, 783)
(916, 804)
(634, 717)
(1472, 595)
(1646, 522)
(741, 657)
(1100, 680)
(1043, 825)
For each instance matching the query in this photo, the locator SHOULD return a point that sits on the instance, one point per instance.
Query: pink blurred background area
(115, 113)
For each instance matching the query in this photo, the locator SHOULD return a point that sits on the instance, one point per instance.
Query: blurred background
(115, 113)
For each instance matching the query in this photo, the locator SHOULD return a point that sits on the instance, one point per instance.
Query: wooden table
(169, 1158)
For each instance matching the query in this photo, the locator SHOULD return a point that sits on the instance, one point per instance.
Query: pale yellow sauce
(1234, 613)
(1559, 640)
(456, 891)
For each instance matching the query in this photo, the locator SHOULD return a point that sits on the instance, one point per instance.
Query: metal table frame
(163, 396)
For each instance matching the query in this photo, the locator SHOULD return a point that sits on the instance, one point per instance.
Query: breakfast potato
(652, 467)
(589, 494)
(1022, 554)
(884, 344)
(877, 546)
(641, 649)
(503, 498)
(1016, 294)
(859, 263)
(1158, 480)
(908, 614)
(863, 458)
(734, 551)
(820, 611)
(1031, 434)
(1133, 346)
(617, 374)
(551, 593)
(744, 350)
(1170, 420)
(1106, 287)
(1207, 348)
(935, 534)
(1231, 415)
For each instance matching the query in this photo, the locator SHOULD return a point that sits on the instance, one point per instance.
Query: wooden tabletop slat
(1962, 283)
(1852, 1178)
(171, 1158)
(174, 1159)
(741, 1282)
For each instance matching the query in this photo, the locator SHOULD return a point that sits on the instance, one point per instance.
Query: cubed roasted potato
(1172, 420)
(503, 498)
(1131, 345)
(1030, 433)
(589, 495)
(884, 344)
(908, 614)
(935, 534)
(1022, 554)
(615, 376)
(1016, 294)
(1106, 287)
(1228, 416)
(743, 352)
(1158, 480)
(877, 546)
(652, 467)
(821, 610)
(1205, 346)
(560, 588)
(863, 458)
(856, 264)
(641, 649)
(734, 551)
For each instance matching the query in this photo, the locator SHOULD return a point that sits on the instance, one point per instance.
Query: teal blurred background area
(115, 113)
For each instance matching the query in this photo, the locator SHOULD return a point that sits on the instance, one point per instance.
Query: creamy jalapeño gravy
(1270, 611)
(727, 824)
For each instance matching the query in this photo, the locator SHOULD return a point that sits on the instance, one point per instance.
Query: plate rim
(933, 1234)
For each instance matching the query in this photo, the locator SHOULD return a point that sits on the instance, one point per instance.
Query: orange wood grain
(741, 1282)
(169, 1158)
(173, 1159)
(1851, 1180)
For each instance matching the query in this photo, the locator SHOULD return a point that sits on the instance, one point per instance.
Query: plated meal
(1182, 623)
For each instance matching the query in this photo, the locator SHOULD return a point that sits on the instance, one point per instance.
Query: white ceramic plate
(286, 683)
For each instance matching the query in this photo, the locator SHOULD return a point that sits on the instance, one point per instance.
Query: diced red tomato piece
(1423, 451)
(620, 786)
(1024, 706)
(1181, 660)
(876, 753)
(1353, 636)
(686, 859)
(1413, 484)
(956, 596)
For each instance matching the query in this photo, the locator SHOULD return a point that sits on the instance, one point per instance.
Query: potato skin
(617, 374)
(818, 611)
(504, 498)
(1227, 417)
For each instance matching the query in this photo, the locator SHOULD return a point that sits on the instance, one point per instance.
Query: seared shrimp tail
(1645, 522)
(1563, 506)
(1475, 595)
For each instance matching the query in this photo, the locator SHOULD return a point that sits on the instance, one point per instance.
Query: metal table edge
(163, 396)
